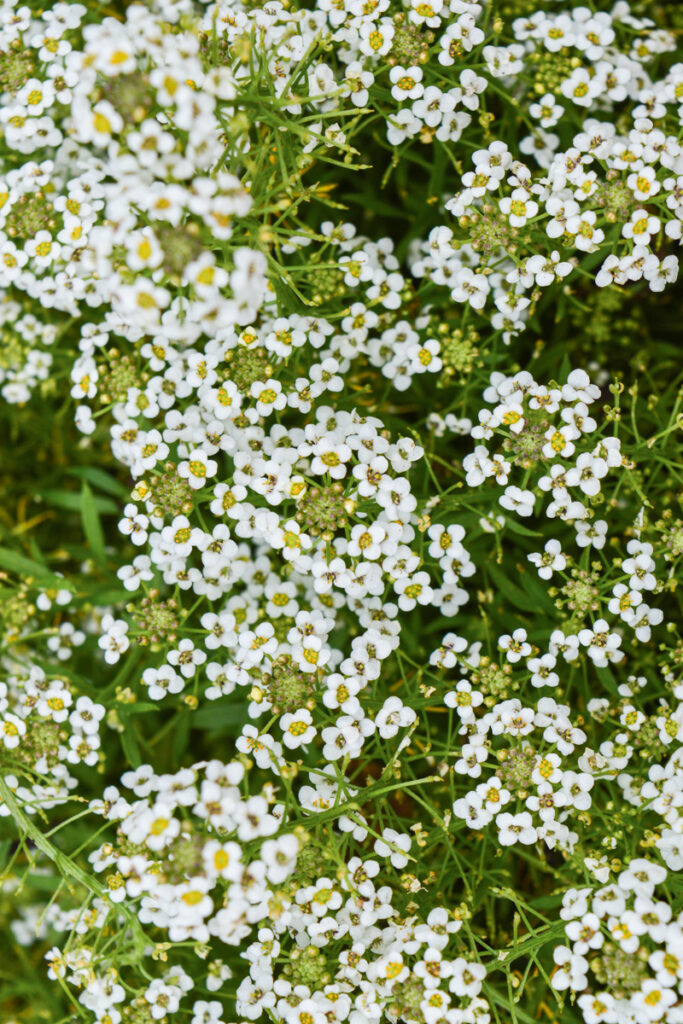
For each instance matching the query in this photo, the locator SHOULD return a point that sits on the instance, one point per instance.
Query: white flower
(653, 1000)
(603, 646)
(12, 729)
(587, 473)
(516, 500)
(297, 728)
(268, 395)
(161, 681)
(542, 671)
(641, 227)
(551, 561)
(641, 876)
(392, 716)
(515, 646)
(376, 37)
(279, 855)
(581, 88)
(395, 846)
(518, 207)
(113, 640)
(468, 286)
(197, 468)
(571, 969)
(515, 828)
(406, 82)
(186, 658)
(503, 61)
(359, 81)
(587, 237)
(547, 111)
(591, 533)
(205, 1012)
(466, 978)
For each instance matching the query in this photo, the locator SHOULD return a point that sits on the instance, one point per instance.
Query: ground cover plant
(341, 399)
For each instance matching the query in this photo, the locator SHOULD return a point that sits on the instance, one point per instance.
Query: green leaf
(23, 566)
(98, 478)
(523, 531)
(46, 883)
(108, 596)
(371, 202)
(604, 674)
(518, 597)
(91, 525)
(130, 747)
(217, 715)
(71, 500)
(139, 708)
(181, 739)
(5, 850)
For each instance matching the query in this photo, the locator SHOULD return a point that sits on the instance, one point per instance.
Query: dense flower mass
(341, 651)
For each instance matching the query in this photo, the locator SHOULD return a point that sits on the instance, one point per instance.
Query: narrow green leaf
(181, 738)
(5, 850)
(71, 500)
(141, 708)
(98, 478)
(91, 525)
(220, 715)
(518, 597)
(23, 566)
(130, 747)
(108, 596)
(523, 531)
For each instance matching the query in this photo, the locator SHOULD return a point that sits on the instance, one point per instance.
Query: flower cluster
(626, 941)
